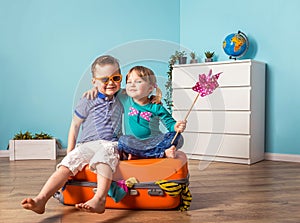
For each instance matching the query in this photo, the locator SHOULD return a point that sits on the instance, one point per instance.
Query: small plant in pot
(209, 56)
(181, 56)
(193, 56)
(28, 135)
(26, 145)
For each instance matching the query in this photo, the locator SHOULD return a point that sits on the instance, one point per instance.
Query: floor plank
(222, 192)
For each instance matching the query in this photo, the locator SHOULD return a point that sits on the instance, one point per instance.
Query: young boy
(143, 137)
(100, 120)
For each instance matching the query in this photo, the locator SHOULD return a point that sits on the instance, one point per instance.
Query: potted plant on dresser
(26, 146)
(181, 57)
(209, 56)
(193, 57)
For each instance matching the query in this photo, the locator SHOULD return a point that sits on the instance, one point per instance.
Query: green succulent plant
(42, 136)
(28, 135)
(23, 136)
(209, 54)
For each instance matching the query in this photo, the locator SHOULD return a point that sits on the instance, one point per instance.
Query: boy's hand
(180, 126)
(90, 94)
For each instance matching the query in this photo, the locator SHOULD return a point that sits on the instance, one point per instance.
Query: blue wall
(47, 46)
(273, 30)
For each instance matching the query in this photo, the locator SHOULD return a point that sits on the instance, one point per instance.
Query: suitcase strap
(158, 188)
(153, 189)
(143, 185)
(175, 189)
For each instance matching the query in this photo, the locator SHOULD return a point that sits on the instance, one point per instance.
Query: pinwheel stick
(205, 86)
(186, 116)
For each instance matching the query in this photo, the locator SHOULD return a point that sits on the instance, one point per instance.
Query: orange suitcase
(162, 184)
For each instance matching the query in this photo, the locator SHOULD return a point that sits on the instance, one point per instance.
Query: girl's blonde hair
(147, 75)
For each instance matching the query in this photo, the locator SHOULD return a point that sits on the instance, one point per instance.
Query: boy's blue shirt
(102, 118)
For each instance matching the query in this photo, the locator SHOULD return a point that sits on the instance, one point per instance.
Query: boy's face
(107, 79)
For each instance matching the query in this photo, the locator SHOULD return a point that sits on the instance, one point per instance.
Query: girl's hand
(180, 126)
(90, 94)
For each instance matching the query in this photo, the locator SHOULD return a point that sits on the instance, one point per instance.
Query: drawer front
(237, 75)
(216, 121)
(237, 98)
(216, 144)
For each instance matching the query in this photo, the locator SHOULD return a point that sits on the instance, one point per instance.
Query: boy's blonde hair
(104, 60)
(147, 75)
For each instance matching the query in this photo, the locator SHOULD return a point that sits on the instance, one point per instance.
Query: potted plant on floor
(27, 146)
(209, 56)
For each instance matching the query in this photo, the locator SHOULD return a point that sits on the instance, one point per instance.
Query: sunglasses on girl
(105, 80)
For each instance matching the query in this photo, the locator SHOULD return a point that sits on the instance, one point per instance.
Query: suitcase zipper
(150, 185)
(153, 189)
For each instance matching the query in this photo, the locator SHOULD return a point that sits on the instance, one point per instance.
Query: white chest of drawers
(228, 125)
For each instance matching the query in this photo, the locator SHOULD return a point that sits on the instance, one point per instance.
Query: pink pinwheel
(205, 86)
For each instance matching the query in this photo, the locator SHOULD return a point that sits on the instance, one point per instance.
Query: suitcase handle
(156, 192)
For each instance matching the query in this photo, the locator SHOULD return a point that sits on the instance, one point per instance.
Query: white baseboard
(4, 153)
(282, 157)
(268, 156)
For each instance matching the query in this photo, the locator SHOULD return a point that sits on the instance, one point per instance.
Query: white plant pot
(32, 149)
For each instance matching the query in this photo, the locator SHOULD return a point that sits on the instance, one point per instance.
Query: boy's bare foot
(94, 205)
(170, 153)
(34, 205)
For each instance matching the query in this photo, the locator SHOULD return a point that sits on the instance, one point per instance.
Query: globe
(235, 45)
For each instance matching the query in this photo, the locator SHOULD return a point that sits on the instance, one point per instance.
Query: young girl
(100, 119)
(143, 137)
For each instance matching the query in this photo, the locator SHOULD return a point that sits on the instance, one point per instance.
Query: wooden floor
(222, 192)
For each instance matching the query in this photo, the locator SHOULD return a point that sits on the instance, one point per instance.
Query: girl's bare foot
(170, 153)
(34, 205)
(94, 205)
(132, 157)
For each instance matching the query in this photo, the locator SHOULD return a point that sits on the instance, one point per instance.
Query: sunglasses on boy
(105, 80)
